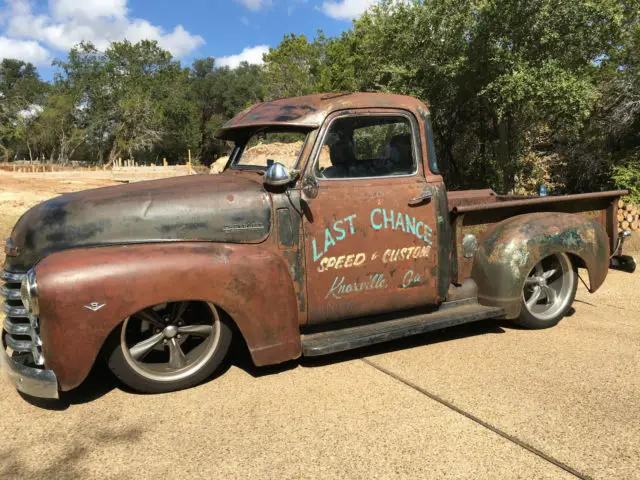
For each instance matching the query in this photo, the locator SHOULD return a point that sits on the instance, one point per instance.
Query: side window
(367, 146)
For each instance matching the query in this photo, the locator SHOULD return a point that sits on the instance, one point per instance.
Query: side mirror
(277, 175)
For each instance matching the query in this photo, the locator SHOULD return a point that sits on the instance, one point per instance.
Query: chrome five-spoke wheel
(548, 292)
(170, 346)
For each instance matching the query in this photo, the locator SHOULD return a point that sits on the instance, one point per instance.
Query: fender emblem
(94, 306)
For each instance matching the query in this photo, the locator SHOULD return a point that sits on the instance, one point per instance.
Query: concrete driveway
(479, 401)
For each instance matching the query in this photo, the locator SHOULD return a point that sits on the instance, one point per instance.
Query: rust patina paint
(182, 208)
(488, 209)
(354, 226)
(239, 278)
(513, 247)
(309, 111)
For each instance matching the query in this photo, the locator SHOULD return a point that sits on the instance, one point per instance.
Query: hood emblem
(94, 306)
(243, 226)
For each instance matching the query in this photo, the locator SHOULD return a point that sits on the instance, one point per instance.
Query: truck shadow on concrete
(242, 359)
(101, 381)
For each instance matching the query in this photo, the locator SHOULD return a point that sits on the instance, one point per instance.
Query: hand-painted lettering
(410, 279)
(328, 239)
(388, 220)
(380, 218)
(383, 219)
(338, 228)
(343, 261)
(399, 222)
(411, 224)
(316, 256)
(348, 263)
(339, 288)
(396, 254)
(376, 226)
(350, 220)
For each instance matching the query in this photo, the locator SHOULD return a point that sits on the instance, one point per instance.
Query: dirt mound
(285, 153)
(273, 150)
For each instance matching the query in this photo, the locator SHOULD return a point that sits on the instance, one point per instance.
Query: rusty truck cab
(367, 166)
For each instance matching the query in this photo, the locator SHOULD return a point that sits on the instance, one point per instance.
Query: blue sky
(230, 30)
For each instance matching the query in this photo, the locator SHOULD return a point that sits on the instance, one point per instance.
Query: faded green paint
(513, 247)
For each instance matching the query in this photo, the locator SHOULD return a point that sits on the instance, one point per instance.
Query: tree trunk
(113, 155)
(6, 153)
(501, 130)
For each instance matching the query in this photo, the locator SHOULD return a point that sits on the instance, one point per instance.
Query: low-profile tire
(168, 347)
(548, 292)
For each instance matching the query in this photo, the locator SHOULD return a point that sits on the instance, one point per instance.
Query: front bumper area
(20, 347)
(36, 382)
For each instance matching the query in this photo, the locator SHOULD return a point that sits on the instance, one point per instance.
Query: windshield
(263, 146)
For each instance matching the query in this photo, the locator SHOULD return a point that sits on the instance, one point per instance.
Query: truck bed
(474, 212)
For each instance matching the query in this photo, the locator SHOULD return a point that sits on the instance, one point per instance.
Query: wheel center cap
(170, 331)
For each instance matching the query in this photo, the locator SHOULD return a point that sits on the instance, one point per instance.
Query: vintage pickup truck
(329, 229)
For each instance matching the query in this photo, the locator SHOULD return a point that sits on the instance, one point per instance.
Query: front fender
(511, 248)
(249, 282)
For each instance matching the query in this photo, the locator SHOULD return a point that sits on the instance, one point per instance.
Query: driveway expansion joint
(479, 421)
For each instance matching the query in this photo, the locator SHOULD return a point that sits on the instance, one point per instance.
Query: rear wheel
(170, 346)
(548, 292)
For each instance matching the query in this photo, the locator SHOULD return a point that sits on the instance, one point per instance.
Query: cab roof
(310, 110)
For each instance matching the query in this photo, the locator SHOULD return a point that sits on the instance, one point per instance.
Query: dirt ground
(484, 400)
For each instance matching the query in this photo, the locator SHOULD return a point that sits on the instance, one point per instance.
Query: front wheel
(170, 346)
(548, 292)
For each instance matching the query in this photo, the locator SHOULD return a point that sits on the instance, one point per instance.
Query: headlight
(29, 293)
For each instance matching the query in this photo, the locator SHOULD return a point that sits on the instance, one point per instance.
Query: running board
(448, 315)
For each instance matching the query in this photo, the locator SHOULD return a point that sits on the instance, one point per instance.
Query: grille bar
(9, 293)
(17, 328)
(20, 330)
(24, 346)
(12, 277)
(15, 311)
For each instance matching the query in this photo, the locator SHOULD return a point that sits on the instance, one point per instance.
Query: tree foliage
(522, 92)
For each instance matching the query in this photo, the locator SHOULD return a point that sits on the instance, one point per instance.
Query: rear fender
(513, 247)
(248, 282)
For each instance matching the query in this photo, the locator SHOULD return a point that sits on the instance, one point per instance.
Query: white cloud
(90, 9)
(26, 50)
(255, 5)
(251, 55)
(346, 9)
(101, 22)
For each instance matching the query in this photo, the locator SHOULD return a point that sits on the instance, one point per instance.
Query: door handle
(415, 201)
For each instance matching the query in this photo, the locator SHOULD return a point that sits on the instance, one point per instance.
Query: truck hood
(230, 207)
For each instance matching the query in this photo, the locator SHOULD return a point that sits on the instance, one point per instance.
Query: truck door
(370, 233)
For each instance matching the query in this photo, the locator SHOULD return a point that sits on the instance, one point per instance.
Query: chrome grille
(21, 332)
